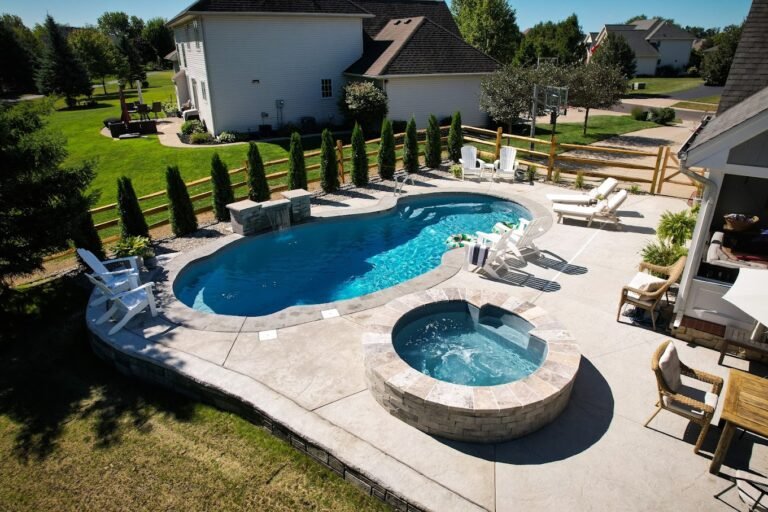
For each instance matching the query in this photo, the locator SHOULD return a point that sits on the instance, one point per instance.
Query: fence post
(499, 131)
(656, 169)
(663, 170)
(340, 159)
(551, 161)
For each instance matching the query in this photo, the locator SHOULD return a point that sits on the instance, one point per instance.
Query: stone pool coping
(179, 313)
(470, 413)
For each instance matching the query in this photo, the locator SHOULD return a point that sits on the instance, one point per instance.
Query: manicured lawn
(76, 435)
(661, 86)
(706, 103)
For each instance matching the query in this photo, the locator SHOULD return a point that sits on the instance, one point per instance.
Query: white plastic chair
(131, 303)
(605, 210)
(603, 190)
(470, 164)
(516, 242)
(100, 267)
(116, 284)
(506, 165)
(496, 256)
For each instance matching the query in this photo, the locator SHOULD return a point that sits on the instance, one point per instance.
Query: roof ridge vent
(408, 21)
(397, 22)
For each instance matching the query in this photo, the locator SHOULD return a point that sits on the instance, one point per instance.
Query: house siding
(439, 95)
(645, 66)
(194, 47)
(675, 52)
(289, 56)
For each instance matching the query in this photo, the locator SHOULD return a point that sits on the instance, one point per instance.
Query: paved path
(596, 456)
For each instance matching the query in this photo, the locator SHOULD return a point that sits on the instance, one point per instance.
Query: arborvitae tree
(222, 189)
(84, 234)
(455, 138)
(387, 157)
(258, 187)
(60, 71)
(359, 158)
(183, 218)
(411, 148)
(329, 166)
(297, 171)
(132, 221)
(432, 149)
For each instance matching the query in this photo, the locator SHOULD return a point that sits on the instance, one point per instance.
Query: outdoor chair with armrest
(604, 210)
(111, 287)
(100, 267)
(600, 192)
(645, 291)
(131, 303)
(470, 164)
(157, 108)
(506, 165)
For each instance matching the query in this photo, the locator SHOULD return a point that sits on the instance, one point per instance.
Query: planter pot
(150, 262)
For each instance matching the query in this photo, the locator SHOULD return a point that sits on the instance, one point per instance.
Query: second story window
(183, 55)
(203, 91)
(196, 28)
(326, 88)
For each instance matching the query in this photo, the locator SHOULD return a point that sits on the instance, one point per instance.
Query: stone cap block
(293, 194)
(245, 204)
(275, 203)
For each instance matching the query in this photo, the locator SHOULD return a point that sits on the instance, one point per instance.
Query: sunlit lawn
(661, 86)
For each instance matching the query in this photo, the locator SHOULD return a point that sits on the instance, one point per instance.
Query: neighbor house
(733, 147)
(656, 43)
(251, 64)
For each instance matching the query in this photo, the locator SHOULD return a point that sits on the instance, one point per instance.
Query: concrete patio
(596, 456)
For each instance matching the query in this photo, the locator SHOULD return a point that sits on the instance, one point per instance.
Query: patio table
(746, 407)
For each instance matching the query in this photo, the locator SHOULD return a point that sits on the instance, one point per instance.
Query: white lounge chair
(115, 284)
(604, 210)
(518, 241)
(100, 267)
(131, 303)
(495, 256)
(601, 191)
(470, 164)
(506, 165)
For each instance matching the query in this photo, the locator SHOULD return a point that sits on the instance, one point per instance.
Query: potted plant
(139, 246)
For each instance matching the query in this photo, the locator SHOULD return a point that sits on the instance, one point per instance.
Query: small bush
(455, 138)
(364, 103)
(411, 148)
(182, 213)
(193, 126)
(288, 129)
(170, 109)
(667, 71)
(297, 170)
(556, 176)
(144, 84)
(258, 186)
(133, 246)
(634, 189)
(433, 148)
(387, 157)
(227, 137)
(398, 126)
(693, 71)
(132, 221)
(456, 170)
(662, 252)
(662, 115)
(84, 234)
(639, 114)
(579, 181)
(329, 166)
(531, 173)
(201, 138)
(222, 189)
(676, 227)
(359, 158)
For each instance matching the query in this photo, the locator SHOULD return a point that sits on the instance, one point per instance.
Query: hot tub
(469, 365)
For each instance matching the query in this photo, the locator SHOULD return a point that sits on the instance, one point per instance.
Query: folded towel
(477, 254)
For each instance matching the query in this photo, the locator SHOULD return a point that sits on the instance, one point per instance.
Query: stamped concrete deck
(596, 456)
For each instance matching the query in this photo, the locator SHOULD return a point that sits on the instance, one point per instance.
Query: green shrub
(222, 189)
(634, 189)
(363, 103)
(190, 127)
(531, 173)
(133, 246)
(200, 138)
(227, 137)
(639, 114)
(455, 138)
(456, 170)
(170, 109)
(258, 187)
(411, 148)
(329, 165)
(556, 176)
(297, 170)
(662, 115)
(84, 234)
(579, 181)
(662, 252)
(132, 221)
(676, 227)
(432, 148)
(387, 157)
(183, 219)
(359, 158)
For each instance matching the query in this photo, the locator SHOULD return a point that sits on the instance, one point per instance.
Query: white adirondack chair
(111, 278)
(470, 164)
(115, 285)
(131, 303)
(506, 165)
(516, 242)
(495, 259)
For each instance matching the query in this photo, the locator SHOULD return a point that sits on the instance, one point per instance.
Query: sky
(593, 14)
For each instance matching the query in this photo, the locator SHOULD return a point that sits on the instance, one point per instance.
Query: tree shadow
(92, 106)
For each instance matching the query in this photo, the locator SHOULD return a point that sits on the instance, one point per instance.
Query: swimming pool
(338, 258)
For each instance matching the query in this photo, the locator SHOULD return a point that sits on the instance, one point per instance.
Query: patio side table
(746, 407)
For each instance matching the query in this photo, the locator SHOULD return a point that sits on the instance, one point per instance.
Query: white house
(248, 63)
(734, 148)
(656, 43)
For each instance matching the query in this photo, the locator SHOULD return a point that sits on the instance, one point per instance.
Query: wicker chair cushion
(697, 394)
(669, 364)
(646, 282)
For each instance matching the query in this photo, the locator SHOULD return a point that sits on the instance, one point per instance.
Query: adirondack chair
(517, 242)
(470, 164)
(100, 267)
(506, 165)
(130, 303)
(116, 284)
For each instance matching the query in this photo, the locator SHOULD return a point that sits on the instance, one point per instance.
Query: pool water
(455, 342)
(336, 259)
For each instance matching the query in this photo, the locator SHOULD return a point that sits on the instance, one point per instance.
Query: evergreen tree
(19, 58)
(432, 147)
(84, 234)
(222, 189)
(411, 148)
(297, 170)
(60, 71)
(455, 138)
(329, 166)
(615, 52)
(183, 218)
(258, 187)
(359, 158)
(132, 221)
(387, 157)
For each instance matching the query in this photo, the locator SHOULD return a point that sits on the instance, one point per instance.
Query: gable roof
(667, 30)
(386, 10)
(635, 39)
(419, 46)
(340, 7)
(749, 70)
(639, 33)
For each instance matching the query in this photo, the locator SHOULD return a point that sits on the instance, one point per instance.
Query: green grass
(706, 103)
(656, 86)
(76, 435)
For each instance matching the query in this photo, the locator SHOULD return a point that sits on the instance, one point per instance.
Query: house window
(202, 90)
(195, 25)
(183, 55)
(326, 88)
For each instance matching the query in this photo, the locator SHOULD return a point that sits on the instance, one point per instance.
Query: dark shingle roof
(279, 6)
(635, 39)
(419, 46)
(749, 71)
(386, 10)
(667, 30)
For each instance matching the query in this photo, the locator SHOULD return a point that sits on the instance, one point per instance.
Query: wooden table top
(746, 402)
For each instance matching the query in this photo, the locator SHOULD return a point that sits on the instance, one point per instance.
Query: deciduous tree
(96, 52)
(364, 103)
(488, 25)
(159, 39)
(562, 41)
(615, 52)
(716, 63)
(595, 85)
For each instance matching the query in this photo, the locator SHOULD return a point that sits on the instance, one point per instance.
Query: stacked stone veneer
(479, 414)
(249, 217)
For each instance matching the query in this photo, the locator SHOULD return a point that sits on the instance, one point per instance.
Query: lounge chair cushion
(669, 364)
(706, 397)
(646, 282)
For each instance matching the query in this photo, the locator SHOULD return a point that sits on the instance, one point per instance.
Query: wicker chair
(648, 299)
(696, 405)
